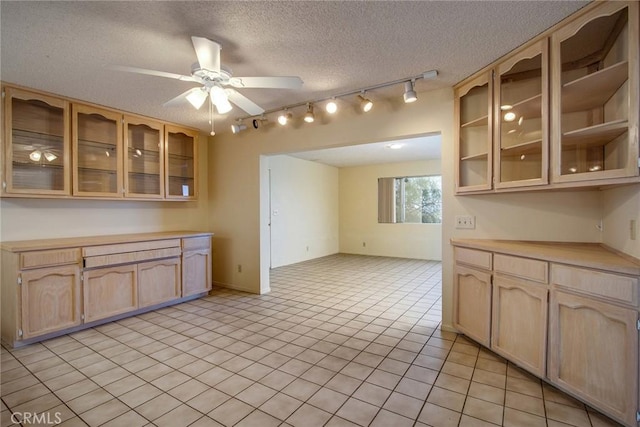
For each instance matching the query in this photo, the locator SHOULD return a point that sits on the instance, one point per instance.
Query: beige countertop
(591, 255)
(71, 242)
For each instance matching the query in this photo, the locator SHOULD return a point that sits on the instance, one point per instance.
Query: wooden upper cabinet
(97, 152)
(473, 103)
(144, 158)
(595, 94)
(37, 144)
(521, 118)
(181, 162)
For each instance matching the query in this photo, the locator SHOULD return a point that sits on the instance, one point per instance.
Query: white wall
(620, 206)
(26, 219)
(359, 215)
(304, 210)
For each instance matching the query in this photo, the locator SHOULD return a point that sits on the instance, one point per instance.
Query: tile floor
(343, 340)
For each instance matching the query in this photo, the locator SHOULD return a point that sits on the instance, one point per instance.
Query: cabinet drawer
(611, 286)
(473, 257)
(531, 269)
(129, 247)
(130, 257)
(193, 243)
(49, 258)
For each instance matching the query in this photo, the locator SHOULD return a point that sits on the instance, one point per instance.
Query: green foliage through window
(417, 199)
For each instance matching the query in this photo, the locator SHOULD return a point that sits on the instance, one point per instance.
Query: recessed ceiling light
(394, 146)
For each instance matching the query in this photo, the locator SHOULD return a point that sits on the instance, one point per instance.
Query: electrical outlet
(466, 222)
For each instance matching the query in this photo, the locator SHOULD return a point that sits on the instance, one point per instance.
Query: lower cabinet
(158, 281)
(593, 353)
(50, 300)
(110, 291)
(519, 322)
(472, 303)
(196, 265)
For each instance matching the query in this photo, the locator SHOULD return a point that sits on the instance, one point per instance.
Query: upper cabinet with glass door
(36, 144)
(97, 152)
(144, 159)
(473, 154)
(181, 163)
(595, 95)
(521, 118)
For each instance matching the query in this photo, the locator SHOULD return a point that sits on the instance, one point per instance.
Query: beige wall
(620, 206)
(304, 210)
(359, 215)
(26, 219)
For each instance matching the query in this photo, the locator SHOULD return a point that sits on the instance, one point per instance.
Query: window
(416, 199)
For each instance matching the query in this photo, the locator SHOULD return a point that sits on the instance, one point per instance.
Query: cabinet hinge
(82, 317)
(638, 324)
(3, 93)
(4, 183)
(19, 332)
(19, 280)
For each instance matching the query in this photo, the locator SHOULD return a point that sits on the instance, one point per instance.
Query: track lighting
(259, 122)
(197, 98)
(238, 127)
(309, 117)
(331, 106)
(284, 117)
(365, 103)
(409, 93)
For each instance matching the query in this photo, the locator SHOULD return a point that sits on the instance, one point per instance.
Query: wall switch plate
(466, 222)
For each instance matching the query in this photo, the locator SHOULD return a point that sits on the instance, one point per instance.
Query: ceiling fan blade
(153, 73)
(284, 82)
(208, 53)
(181, 99)
(244, 103)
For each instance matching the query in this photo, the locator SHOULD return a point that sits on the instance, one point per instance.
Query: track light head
(331, 106)
(284, 117)
(238, 127)
(365, 103)
(309, 117)
(259, 122)
(409, 93)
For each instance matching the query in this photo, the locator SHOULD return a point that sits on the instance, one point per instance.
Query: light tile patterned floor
(340, 341)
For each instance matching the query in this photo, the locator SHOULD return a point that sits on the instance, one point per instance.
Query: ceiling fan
(216, 82)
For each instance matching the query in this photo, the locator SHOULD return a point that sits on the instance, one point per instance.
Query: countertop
(590, 255)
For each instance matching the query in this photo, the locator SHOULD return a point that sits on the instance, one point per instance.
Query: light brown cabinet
(595, 95)
(110, 291)
(50, 287)
(115, 155)
(472, 294)
(37, 144)
(196, 265)
(50, 300)
(565, 312)
(159, 281)
(563, 110)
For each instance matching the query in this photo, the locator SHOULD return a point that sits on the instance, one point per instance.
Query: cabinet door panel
(50, 300)
(37, 143)
(593, 353)
(110, 291)
(158, 281)
(144, 158)
(196, 272)
(181, 163)
(519, 323)
(472, 303)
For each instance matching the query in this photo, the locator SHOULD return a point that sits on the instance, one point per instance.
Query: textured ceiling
(335, 47)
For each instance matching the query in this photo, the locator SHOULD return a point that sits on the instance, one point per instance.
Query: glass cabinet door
(37, 152)
(595, 85)
(520, 113)
(144, 164)
(473, 103)
(181, 154)
(97, 153)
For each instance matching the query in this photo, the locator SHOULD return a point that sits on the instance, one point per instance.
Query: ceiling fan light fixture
(309, 117)
(409, 93)
(35, 155)
(50, 156)
(365, 103)
(331, 106)
(197, 98)
(284, 117)
(220, 99)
